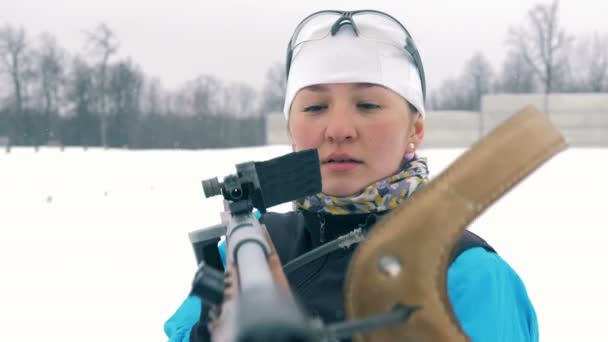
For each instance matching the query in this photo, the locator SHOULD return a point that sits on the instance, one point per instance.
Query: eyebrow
(366, 85)
(320, 88)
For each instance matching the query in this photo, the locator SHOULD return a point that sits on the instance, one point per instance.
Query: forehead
(325, 88)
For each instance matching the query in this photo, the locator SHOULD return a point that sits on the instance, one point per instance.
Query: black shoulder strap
(276, 222)
(469, 240)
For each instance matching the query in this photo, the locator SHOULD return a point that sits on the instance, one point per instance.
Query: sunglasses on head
(367, 24)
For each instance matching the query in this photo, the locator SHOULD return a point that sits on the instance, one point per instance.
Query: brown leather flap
(404, 260)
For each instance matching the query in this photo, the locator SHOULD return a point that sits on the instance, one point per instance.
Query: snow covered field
(94, 245)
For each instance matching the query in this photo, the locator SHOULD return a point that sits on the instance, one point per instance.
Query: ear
(416, 134)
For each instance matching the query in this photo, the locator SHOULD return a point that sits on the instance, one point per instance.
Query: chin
(341, 190)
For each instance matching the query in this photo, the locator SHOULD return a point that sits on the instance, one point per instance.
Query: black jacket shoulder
(288, 233)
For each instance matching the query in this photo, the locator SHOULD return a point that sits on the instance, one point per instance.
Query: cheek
(391, 136)
(304, 134)
(388, 141)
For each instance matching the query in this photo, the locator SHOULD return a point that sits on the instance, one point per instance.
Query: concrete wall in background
(451, 129)
(583, 118)
(276, 129)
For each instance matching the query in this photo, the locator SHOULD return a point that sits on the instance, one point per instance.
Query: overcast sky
(237, 40)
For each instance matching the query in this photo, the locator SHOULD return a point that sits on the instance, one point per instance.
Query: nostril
(339, 132)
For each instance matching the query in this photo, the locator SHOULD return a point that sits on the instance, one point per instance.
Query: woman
(356, 91)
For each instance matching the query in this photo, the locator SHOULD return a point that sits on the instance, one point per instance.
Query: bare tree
(202, 96)
(452, 95)
(465, 92)
(239, 100)
(153, 100)
(105, 45)
(124, 92)
(517, 75)
(589, 64)
(50, 65)
(81, 97)
(177, 103)
(597, 74)
(543, 44)
(13, 50)
(273, 94)
(479, 76)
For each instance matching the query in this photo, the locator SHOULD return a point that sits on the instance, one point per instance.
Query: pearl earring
(411, 146)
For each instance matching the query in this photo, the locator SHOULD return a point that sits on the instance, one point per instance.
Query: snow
(94, 244)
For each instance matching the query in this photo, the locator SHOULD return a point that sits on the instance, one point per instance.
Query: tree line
(97, 99)
(542, 58)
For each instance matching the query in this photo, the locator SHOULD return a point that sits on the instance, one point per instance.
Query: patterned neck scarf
(383, 195)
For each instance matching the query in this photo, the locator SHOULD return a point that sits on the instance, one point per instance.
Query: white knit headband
(346, 58)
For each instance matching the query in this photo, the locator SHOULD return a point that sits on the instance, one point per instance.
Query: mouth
(341, 163)
(340, 159)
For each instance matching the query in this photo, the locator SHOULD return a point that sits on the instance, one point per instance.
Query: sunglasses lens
(314, 28)
(381, 28)
(371, 25)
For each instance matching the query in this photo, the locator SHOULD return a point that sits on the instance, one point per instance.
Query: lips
(340, 158)
(341, 162)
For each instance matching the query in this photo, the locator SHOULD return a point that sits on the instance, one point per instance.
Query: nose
(340, 127)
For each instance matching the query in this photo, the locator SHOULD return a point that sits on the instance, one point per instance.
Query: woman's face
(362, 132)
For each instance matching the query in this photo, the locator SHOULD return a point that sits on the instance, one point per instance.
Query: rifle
(396, 281)
(254, 307)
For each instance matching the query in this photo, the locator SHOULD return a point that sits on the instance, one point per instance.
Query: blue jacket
(488, 297)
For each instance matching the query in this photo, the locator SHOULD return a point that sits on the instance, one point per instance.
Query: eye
(315, 108)
(367, 106)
